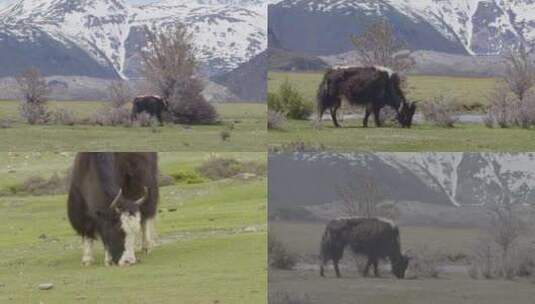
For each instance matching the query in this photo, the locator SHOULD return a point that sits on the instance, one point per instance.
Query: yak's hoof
(87, 262)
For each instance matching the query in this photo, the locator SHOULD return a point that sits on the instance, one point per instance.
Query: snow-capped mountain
(103, 37)
(482, 27)
(455, 179)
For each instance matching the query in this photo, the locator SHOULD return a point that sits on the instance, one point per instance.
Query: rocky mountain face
(440, 179)
(249, 81)
(474, 27)
(102, 38)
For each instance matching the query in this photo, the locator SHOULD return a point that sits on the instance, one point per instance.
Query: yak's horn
(143, 198)
(116, 199)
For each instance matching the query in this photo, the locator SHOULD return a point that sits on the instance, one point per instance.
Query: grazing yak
(113, 196)
(372, 87)
(152, 105)
(375, 238)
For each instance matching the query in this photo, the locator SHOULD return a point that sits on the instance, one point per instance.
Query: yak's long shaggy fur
(375, 238)
(371, 87)
(98, 179)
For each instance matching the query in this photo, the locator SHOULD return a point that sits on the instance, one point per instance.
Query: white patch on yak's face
(385, 69)
(131, 225)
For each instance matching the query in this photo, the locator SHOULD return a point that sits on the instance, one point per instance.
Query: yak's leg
(147, 230)
(107, 258)
(87, 258)
(376, 113)
(323, 263)
(367, 268)
(376, 267)
(366, 116)
(333, 115)
(336, 269)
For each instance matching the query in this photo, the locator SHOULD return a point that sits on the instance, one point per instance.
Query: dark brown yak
(152, 105)
(373, 237)
(113, 196)
(371, 87)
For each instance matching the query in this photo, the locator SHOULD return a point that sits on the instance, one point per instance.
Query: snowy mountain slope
(455, 179)
(226, 32)
(482, 27)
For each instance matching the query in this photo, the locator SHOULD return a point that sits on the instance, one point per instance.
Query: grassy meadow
(211, 239)
(453, 285)
(246, 124)
(469, 92)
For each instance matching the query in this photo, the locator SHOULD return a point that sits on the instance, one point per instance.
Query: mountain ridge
(475, 27)
(226, 33)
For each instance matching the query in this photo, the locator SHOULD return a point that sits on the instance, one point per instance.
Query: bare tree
(520, 71)
(169, 65)
(119, 93)
(363, 197)
(378, 46)
(34, 92)
(505, 229)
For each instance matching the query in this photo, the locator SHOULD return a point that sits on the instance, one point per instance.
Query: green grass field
(212, 249)
(422, 137)
(248, 132)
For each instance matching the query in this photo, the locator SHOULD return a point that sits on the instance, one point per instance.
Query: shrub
(108, 116)
(275, 120)
(119, 93)
(63, 117)
(34, 91)
(187, 177)
(275, 103)
(221, 168)
(298, 146)
(524, 111)
(278, 256)
(191, 111)
(290, 102)
(440, 111)
(165, 180)
(425, 263)
(37, 185)
(34, 113)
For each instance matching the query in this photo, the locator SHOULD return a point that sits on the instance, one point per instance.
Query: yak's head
(406, 114)
(119, 227)
(399, 266)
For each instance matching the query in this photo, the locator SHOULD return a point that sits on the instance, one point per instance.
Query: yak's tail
(322, 95)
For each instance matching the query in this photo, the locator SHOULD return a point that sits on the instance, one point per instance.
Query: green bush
(187, 177)
(289, 101)
(275, 103)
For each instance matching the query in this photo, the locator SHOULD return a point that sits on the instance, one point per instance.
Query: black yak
(152, 105)
(113, 196)
(375, 238)
(372, 87)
